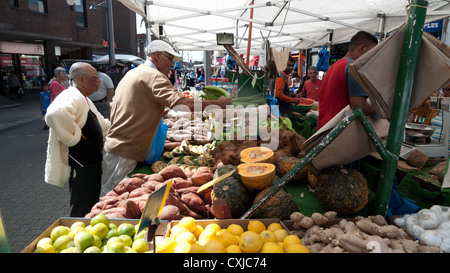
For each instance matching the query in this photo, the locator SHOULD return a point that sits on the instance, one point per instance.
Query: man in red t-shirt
(311, 86)
(339, 88)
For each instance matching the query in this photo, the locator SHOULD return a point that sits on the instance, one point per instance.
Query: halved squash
(256, 175)
(257, 155)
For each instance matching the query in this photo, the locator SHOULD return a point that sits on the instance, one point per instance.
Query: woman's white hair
(76, 70)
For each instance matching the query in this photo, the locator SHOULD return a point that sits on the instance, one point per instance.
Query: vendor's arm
(279, 95)
(361, 102)
(222, 102)
(358, 96)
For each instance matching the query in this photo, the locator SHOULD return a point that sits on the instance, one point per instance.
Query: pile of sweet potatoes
(128, 198)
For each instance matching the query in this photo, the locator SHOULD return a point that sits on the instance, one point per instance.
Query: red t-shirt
(311, 89)
(333, 93)
(55, 89)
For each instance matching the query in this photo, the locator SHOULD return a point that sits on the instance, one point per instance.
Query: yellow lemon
(256, 226)
(88, 227)
(186, 236)
(274, 226)
(280, 244)
(250, 242)
(99, 218)
(297, 248)
(112, 233)
(61, 243)
(100, 230)
(214, 227)
(280, 234)
(44, 240)
(183, 247)
(45, 248)
(206, 236)
(176, 230)
(74, 231)
(271, 247)
(235, 229)
(188, 222)
(77, 224)
(59, 231)
(268, 236)
(114, 240)
(226, 238)
(290, 240)
(196, 248)
(233, 249)
(141, 234)
(213, 247)
(167, 245)
(198, 230)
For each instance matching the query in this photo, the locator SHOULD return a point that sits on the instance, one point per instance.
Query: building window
(80, 13)
(14, 3)
(39, 6)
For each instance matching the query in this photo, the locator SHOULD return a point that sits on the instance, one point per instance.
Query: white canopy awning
(287, 24)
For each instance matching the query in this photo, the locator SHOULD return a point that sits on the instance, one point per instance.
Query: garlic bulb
(430, 219)
(445, 245)
(431, 238)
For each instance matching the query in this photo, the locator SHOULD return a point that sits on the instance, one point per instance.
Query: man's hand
(296, 100)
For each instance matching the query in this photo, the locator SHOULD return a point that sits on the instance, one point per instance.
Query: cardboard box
(224, 223)
(68, 221)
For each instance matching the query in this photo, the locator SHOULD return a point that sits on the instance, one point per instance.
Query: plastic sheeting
(288, 25)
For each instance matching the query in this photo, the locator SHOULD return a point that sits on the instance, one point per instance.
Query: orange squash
(257, 155)
(256, 175)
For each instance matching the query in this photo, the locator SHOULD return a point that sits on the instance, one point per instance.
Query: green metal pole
(405, 81)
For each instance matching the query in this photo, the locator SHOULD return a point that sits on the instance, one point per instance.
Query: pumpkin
(280, 205)
(226, 169)
(285, 164)
(256, 175)
(234, 193)
(256, 155)
(342, 190)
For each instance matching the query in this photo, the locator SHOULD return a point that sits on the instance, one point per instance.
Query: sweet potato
(118, 212)
(179, 183)
(172, 199)
(172, 171)
(132, 210)
(128, 185)
(150, 185)
(194, 202)
(153, 177)
(158, 186)
(170, 212)
(140, 191)
(202, 176)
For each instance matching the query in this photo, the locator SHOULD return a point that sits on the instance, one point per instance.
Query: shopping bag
(157, 147)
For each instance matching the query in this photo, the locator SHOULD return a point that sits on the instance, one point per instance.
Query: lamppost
(107, 4)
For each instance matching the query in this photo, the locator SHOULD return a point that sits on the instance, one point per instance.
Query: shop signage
(22, 48)
(433, 26)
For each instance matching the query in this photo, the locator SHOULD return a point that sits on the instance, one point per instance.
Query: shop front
(26, 60)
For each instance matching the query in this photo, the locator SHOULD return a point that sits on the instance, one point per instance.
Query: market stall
(243, 181)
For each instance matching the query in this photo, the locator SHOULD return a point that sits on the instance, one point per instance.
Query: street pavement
(27, 204)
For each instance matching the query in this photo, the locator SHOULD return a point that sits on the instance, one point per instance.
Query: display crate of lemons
(94, 235)
(229, 236)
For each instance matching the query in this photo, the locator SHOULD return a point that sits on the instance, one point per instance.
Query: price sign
(154, 205)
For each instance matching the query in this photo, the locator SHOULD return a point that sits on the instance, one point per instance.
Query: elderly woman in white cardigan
(75, 145)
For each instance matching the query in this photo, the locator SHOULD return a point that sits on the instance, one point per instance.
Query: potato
(179, 183)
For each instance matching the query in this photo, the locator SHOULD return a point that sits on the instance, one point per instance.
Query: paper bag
(351, 145)
(377, 71)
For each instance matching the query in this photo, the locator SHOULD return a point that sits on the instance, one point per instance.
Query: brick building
(36, 34)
